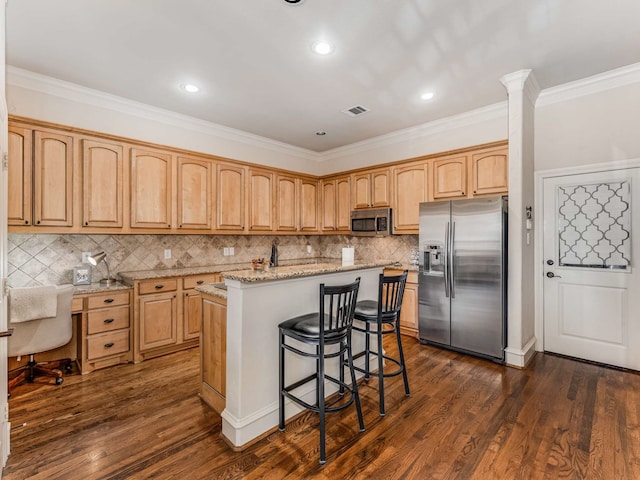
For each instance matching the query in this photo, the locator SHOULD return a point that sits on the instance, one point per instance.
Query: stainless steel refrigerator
(462, 292)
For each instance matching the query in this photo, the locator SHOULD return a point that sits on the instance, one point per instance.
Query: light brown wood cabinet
(230, 192)
(286, 203)
(20, 157)
(53, 179)
(102, 183)
(194, 193)
(157, 318)
(371, 189)
(490, 172)
(151, 182)
(410, 187)
(261, 200)
(213, 365)
(409, 312)
(450, 177)
(336, 204)
(309, 203)
(192, 304)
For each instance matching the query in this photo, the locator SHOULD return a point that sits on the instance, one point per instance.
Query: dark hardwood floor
(466, 418)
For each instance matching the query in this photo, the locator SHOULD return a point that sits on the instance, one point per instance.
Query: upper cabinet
(450, 177)
(151, 180)
(20, 176)
(490, 172)
(261, 200)
(309, 205)
(53, 179)
(102, 183)
(194, 193)
(410, 186)
(371, 189)
(286, 203)
(336, 204)
(230, 190)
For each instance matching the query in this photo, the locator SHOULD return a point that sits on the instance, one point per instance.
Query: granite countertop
(98, 288)
(295, 271)
(214, 289)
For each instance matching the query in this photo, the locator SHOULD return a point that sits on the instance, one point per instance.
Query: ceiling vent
(355, 111)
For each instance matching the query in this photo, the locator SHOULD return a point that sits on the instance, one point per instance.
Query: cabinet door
(450, 177)
(343, 204)
(286, 203)
(157, 320)
(150, 189)
(20, 176)
(381, 188)
(409, 312)
(490, 172)
(410, 186)
(102, 168)
(230, 197)
(53, 179)
(192, 315)
(309, 205)
(261, 200)
(361, 190)
(194, 193)
(328, 205)
(214, 352)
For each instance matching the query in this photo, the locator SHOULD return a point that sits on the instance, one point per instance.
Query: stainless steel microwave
(371, 222)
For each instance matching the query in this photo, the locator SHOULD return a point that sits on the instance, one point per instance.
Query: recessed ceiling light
(190, 88)
(320, 133)
(322, 48)
(293, 2)
(427, 96)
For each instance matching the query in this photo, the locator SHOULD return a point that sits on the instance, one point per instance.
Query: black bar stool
(331, 325)
(385, 315)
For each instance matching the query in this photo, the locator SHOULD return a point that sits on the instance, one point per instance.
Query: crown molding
(69, 91)
(478, 115)
(601, 82)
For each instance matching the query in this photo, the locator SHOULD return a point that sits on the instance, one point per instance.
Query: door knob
(552, 275)
(549, 262)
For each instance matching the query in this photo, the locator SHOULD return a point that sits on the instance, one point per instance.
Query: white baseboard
(520, 358)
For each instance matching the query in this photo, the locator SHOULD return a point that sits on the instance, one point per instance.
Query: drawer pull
(108, 320)
(158, 287)
(200, 282)
(108, 300)
(109, 345)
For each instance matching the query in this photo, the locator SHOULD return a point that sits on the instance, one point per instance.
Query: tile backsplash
(48, 259)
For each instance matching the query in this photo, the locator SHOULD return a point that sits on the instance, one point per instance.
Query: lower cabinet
(105, 329)
(167, 314)
(409, 312)
(213, 352)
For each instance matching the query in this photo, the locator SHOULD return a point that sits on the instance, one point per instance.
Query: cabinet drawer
(108, 299)
(107, 320)
(412, 277)
(106, 344)
(76, 305)
(157, 286)
(197, 280)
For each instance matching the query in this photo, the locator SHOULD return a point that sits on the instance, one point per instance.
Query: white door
(592, 266)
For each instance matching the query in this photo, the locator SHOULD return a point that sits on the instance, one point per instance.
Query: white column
(523, 90)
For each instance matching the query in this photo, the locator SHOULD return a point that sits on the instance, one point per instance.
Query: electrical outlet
(167, 253)
(225, 251)
(85, 257)
(232, 251)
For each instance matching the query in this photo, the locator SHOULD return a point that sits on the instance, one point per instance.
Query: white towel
(31, 303)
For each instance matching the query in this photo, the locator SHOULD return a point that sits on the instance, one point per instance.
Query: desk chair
(384, 314)
(329, 327)
(33, 334)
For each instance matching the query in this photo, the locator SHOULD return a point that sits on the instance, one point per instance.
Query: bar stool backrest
(337, 307)
(390, 294)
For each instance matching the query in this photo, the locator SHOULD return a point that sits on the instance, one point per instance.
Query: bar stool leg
(380, 370)
(404, 369)
(321, 406)
(367, 350)
(281, 383)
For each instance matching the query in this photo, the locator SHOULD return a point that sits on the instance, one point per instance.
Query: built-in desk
(257, 301)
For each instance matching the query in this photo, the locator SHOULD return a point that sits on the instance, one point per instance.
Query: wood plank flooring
(466, 418)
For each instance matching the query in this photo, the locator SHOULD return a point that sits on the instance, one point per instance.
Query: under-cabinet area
(66, 180)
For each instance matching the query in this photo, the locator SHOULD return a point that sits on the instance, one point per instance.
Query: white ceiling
(254, 64)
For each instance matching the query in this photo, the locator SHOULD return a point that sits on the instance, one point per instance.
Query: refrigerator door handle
(446, 261)
(452, 271)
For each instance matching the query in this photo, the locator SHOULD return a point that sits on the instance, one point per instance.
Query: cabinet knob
(38, 222)
(26, 222)
(108, 345)
(108, 320)
(108, 300)
(86, 224)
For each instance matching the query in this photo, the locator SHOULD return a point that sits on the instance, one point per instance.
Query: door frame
(539, 178)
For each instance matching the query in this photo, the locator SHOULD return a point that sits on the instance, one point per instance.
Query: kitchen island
(257, 301)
